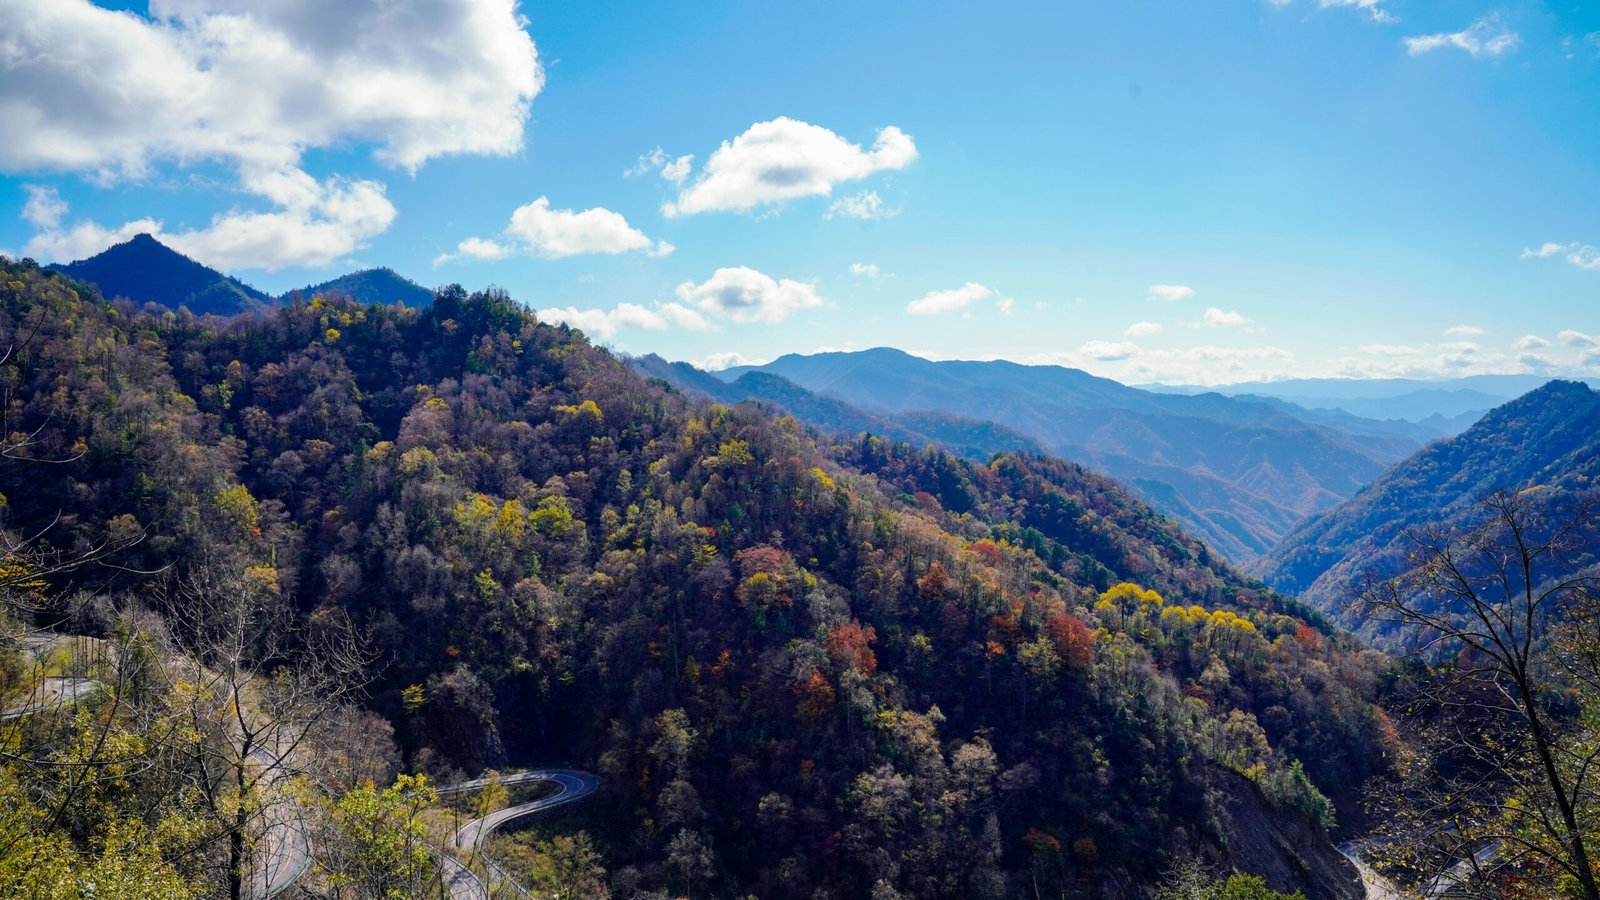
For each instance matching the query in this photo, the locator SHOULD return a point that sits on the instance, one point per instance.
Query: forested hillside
(146, 271)
(1547, 439)
(1238, 473)
(382, 285)
(802, 668)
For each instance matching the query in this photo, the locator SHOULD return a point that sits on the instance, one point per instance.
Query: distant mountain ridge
(1455, 402)
(1238, 473)
(970, 439)
(145, 270)
(1549, 437)
(381, 285)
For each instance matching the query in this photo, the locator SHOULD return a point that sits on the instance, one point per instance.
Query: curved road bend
(460, 882)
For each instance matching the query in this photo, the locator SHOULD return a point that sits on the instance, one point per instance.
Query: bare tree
(1500, 766)
(253, 689)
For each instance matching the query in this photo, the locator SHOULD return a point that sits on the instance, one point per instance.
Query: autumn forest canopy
(923, 675)
(398, 547)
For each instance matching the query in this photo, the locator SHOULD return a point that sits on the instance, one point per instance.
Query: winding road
(460, 882)
(284, 850)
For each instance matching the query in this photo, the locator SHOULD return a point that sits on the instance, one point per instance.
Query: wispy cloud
(867, 206)
(673, 169)
(605, 323)
(1487, 38)
(936, 303)
(1583, 256)
(1217, 318)
(1373, 8)
(1171, 291)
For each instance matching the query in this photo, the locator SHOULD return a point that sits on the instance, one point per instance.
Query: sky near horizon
(1152, 191)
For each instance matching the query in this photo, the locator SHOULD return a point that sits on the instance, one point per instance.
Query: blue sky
(1199, 192)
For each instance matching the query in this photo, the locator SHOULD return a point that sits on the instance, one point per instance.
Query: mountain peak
(145, 270)
(379, 285)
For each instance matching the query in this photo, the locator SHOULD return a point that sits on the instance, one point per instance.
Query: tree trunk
(1569, 819)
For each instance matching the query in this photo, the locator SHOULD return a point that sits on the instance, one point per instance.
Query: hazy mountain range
(145, 270)
(1237, 472)
(1451, 403)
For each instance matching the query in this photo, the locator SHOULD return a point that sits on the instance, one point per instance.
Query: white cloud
(254, 85)
(1204, 364)
(865, 270)
(257, 83)
(1171, 291)
(44, 208)
(1373, 8)
(314, 224)
(866, 205)
(83, 240)
(1006, 305)
(1109, 351)
(727, 359)
(1217, 318)
(555, 233)
(604, 324)
(1452, 359)
(785, 159)
(1391, 349)
(1486, 38)
(476, 248)
(935, 303)
(1578, 339)
(1463, 331)
(1583, 256)
(1141, 329)
(745, 295)
(673, 169)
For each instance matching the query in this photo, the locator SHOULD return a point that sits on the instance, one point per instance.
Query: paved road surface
(284, 848)
(460, 883)
(1378, 887)
(283, 852)
(53, 692)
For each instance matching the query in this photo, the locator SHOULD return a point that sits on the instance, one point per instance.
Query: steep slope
(382, 285)
(1235, 472)
(147, 271)
(1548, 437)
(799, 666)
